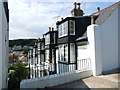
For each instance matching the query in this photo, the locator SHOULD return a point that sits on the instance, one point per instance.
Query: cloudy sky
(31, 18)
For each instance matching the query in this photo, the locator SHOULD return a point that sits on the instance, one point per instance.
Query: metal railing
(46, 69)
(41, 70)
(84, 64)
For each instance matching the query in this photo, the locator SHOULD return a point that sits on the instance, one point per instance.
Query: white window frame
(63, 29)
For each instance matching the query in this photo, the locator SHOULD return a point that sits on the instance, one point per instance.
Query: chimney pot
(49, 29)
(78, 5)
(74, 5)
(98, 8)
(52, 29)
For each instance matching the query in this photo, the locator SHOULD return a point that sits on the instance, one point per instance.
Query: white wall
(94, 40)
(119, 36)
(83, 53)
(109, 37)
(56, 79)
(3, 48)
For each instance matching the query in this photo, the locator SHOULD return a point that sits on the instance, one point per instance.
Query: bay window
(72, 27)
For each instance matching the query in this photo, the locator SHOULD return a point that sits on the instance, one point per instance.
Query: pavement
(107, 80)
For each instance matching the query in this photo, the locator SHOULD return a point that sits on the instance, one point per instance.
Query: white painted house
(4, 44)
(103, 39)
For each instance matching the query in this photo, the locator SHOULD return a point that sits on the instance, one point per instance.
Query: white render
(103, 40)
(56, 79)
(109, 36)
(94, 47)
(3, 48)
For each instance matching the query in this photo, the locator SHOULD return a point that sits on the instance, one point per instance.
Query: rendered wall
(3, 48)
(109, 38)
(94, 46)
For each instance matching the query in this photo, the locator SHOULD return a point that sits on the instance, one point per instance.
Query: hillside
(22, 42)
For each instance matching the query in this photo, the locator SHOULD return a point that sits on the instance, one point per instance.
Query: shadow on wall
(113, 71)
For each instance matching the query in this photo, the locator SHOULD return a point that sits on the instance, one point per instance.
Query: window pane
(63, 52)
(47, 39)
(46, 55)
(60, 30)
(72, 27)
(42, 46)
(66, 52)
(72, 52)
(66, 27)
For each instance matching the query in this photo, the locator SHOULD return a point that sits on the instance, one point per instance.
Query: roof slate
(105, 13)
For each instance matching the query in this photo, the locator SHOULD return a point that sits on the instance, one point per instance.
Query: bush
(17, 72)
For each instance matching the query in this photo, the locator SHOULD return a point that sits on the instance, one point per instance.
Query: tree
(22, 42)
(17, 72)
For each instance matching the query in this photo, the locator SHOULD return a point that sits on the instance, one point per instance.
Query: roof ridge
(106, 8)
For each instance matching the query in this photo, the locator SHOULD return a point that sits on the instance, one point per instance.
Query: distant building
(16, 47)
(50, 48)
(4, 37)
(36, 57)
(12, 57)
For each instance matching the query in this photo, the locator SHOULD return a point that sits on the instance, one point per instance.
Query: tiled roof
(106, 8)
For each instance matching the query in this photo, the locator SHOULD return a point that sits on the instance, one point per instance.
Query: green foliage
(22, 42)
(17, 72)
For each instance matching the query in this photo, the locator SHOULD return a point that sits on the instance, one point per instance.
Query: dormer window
(72, 27)
(63, 29)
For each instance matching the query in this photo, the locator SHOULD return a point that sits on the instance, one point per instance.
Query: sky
(31, 18)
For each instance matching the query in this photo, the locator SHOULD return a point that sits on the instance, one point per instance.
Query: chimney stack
(49, 29)
(98, 8)
(92, 20)
(77, 11)
(78, 5)
(74, 5)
